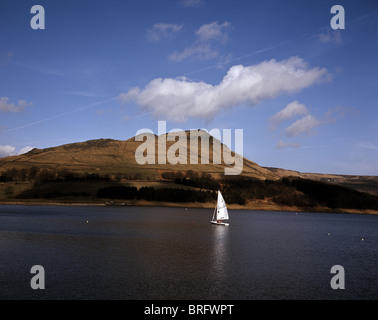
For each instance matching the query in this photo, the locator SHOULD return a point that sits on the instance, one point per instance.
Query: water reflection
(220, 255)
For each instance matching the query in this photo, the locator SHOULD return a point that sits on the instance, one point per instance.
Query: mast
(215, 210)
(214, 215)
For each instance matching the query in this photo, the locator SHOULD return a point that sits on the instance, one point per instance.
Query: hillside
(368, 184)
(112, 157)
(98, 170)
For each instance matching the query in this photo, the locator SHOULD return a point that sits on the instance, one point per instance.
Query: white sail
(222, 213)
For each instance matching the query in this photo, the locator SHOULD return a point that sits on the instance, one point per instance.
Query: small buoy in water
(362, 239)
(329, 234)
(87, 221)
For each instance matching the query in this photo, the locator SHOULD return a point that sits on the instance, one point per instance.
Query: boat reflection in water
(115, 204)
(220, 258)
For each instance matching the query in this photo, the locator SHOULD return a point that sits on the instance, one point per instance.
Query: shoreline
(259, 205)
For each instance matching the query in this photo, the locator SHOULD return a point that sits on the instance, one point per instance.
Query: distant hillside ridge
(368, 184)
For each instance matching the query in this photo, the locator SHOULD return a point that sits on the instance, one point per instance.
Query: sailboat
(220, 212)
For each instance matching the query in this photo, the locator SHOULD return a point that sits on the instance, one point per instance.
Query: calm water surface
(173, 253)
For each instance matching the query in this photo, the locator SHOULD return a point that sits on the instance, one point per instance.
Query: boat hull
(220, 223)
(115, 204)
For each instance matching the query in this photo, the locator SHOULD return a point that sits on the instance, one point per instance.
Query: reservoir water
(174, 253)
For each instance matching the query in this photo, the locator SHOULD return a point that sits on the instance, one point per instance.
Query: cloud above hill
(303, 125)
(161, 31)
(302, 122)
(7, 150)
(292, 109)
(208, 37)
(213, 31)
(180, 99)
(6, 106)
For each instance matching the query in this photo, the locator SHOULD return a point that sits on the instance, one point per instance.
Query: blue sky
(305, 95)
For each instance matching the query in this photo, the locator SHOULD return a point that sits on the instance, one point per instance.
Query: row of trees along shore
(236, 189)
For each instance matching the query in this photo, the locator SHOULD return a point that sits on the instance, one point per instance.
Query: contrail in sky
(61, 114)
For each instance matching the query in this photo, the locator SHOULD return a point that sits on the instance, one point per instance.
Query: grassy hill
(114, 157)
(98, 170)
(368, 184)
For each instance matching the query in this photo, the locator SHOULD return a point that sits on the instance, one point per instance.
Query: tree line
(39, 175)
(291, 191)
(298, 192)
(193, 179)
(156, 194)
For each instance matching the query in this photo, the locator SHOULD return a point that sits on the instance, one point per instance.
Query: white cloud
(179, 99)
(213, 31)
(130, 95)
(292, 109)
(190, 3)
(25, 150)
(5, 106)
(206, 37)
(303, 125)
(6, 151)
(281, 144)
(161, 31)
